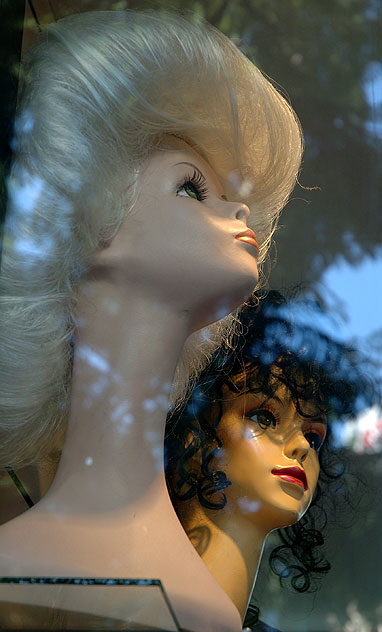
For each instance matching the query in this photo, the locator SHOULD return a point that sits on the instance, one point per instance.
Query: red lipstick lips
(249, 237)
(292, 475)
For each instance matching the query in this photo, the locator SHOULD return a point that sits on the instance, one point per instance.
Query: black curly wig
(279, 342)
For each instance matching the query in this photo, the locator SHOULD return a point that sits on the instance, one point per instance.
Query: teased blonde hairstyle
(101, 91)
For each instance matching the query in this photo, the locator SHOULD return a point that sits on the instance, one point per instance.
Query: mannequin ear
(188, 441)
(193, 462)
(114, 255)
(103, 244)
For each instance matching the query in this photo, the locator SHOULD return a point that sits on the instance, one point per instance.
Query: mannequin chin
(254, 457)
(272, 473)
(179, 249)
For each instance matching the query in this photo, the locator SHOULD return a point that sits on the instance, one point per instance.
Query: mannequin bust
(244, 452)
(144, 143)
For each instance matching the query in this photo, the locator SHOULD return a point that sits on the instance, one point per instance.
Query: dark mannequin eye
(263, 417)
(194, 187)
(314, 439)
(190, 190)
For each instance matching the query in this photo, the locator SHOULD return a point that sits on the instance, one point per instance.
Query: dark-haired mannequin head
(244, 452)
(261, 439)
(268, 470)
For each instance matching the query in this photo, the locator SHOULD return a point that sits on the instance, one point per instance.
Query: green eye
(193, 187)
(190, 190)
(263, 417)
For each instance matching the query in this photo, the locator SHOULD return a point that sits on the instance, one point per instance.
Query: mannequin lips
(249, 237)
(292, 475)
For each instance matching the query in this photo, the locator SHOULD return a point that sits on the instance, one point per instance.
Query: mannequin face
(261, 436)
(179, 242)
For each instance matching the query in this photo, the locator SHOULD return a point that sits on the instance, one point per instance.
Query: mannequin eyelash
(266, 407)
(198, 182)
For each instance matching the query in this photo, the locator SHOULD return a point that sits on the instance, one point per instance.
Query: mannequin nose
(297, 447)
(242, 212)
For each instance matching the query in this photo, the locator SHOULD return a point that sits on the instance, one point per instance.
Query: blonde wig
(101, 90)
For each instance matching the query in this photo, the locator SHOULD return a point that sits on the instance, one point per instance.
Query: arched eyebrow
(267, 398)
(190, 164)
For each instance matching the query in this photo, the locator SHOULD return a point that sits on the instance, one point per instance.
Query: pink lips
(249, 237)
(292, 475)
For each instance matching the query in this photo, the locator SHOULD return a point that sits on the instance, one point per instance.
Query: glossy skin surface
(261, 436)
(179, 239)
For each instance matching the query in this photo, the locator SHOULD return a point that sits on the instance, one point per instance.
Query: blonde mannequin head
(101, 91)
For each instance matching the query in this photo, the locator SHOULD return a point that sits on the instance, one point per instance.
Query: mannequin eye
(193, 187)
(315, 435)
(263, 417)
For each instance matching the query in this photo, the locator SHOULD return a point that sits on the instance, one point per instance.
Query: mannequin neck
(230, 546)
(126, 351)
